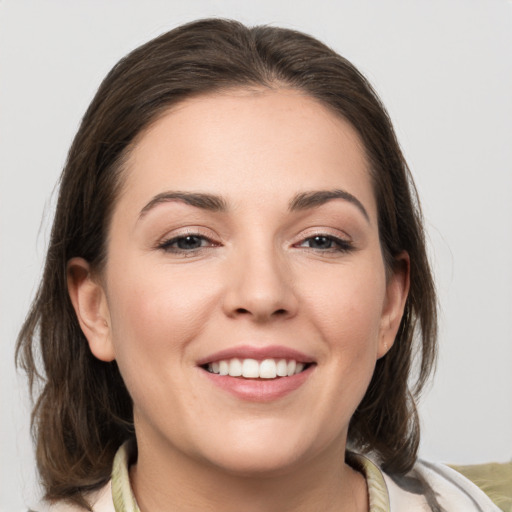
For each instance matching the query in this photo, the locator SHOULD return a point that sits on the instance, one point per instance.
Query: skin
(259, 278)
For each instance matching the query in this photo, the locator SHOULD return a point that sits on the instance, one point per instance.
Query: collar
(124, 499)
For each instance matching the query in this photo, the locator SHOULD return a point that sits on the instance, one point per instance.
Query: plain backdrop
(444, 70)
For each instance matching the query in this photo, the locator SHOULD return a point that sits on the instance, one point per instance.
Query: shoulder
(100, 501)
(428, 487)
(494, 478)
(437, 487)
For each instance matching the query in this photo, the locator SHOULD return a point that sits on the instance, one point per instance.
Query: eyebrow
(215, 203)
(306, 200)
(208, 202)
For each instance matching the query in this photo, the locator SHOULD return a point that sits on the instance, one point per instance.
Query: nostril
(277, 312)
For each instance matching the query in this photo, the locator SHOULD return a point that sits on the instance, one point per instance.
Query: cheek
(154, 319)
(156, 312)
(348, 304)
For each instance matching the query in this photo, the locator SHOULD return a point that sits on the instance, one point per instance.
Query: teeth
(250, 369)
(235, 368)
(223, 367)
(253, 369)
(282, 368)
(268, 369)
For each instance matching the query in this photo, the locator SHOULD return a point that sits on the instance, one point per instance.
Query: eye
(326, 243)
(186, 243)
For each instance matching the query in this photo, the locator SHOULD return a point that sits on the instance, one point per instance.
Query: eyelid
(342, 243)
(323, 231)
(176, 234)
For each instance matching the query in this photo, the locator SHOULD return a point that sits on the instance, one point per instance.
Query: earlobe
(397, 290)
(91, 308)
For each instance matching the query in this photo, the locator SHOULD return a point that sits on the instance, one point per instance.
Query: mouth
(258, 374)
(250, 368)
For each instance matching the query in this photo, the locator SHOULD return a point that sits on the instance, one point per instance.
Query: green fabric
(494, 479)
(377, 491)
(122, 495)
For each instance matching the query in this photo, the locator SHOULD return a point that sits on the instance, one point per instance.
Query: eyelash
(338, 245)
(167, 245)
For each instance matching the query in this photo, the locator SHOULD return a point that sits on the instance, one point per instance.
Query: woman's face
(246, 231)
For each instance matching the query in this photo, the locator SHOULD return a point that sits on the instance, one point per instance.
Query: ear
(397, 290)
(91, 308)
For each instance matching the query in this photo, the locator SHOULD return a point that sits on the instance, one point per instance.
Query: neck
(166, 480)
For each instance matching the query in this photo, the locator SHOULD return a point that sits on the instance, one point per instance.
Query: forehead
(248, 143)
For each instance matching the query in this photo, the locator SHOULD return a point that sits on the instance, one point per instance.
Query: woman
(235, 291)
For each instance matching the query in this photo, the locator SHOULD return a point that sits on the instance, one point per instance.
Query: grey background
(444, 70)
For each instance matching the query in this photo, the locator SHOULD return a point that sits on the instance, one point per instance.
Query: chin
(256, 463)
(262, 450)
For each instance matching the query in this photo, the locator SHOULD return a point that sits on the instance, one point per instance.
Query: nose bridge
(261, 281)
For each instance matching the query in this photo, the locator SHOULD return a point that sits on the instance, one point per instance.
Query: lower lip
(259, 390)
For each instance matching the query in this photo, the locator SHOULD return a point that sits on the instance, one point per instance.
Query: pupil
(321, 242)
(189, 242)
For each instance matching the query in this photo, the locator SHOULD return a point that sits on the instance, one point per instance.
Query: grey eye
(320, 242)
(189, 242)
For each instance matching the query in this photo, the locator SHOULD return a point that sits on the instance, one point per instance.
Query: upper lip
(258, 353)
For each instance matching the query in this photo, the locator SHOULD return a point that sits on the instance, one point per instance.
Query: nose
(260, 287)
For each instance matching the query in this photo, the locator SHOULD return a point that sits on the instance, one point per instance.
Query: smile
(254, 369)
(258, 374)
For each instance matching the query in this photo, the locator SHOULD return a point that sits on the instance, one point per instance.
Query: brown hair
(84, 412)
